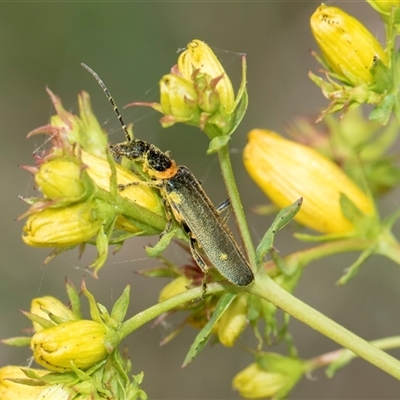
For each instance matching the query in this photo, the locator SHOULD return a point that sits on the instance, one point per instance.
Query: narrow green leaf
(120, 307)
(204, 335)
(353, 269)
(282, 219)
(73, 295)
(162, 244)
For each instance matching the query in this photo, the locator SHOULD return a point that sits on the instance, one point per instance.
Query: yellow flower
(348, 47)
(40, 305)
(60, 178)
(10, 390)
(233, 321)
(61, 227)
(80, 341)
(286, 170)
(199, 57)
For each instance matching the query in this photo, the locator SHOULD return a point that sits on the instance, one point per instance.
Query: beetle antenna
(111, 100)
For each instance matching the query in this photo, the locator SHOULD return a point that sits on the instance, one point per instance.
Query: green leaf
(382, 77)
(73, 295)
(218, 143)
(240, 111)
(353, 269)
(44, 322)
(282, 219)
(120, 307)
(382, 112)
(341, 362)
(349, 209)
(19, 341)
(162, 244)
(204, 335)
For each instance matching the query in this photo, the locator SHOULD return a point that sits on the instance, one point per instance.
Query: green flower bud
(178, 99)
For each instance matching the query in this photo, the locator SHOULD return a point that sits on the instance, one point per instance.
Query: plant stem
(347, 355)
(152, 223)
(237, 207)
(269, 290)
(153, 312)
(392, 55)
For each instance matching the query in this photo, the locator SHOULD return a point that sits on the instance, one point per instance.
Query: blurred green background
(131, 45)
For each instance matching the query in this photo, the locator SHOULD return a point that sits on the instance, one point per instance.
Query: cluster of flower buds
(198, 92)
(78, 355)
(79, 181)
(352, 56)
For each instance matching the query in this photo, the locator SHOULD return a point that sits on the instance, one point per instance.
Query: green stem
(302, 258)
(390, 50)
(328, 358)
(150, 222)
(153, 312)
(270, 291)
(237, 207)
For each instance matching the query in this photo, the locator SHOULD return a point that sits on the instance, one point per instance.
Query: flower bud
(286, 170)
(178, 99)
(99, 170)
(83, 129)
(10, 390)
(255, 383)
(199, 57)
(62, 227)
(40, 305)
(175, 287)
(273, 376)
(80, 341)
(233, 321)
(60, 178)
(348, 47)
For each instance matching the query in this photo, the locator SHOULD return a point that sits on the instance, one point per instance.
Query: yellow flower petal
(17, 391)
(199, 56)
(347, 45)
(61, 227)
(79, 341)
(286, 170)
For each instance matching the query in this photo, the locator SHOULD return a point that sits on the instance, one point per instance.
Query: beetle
(189, 204)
